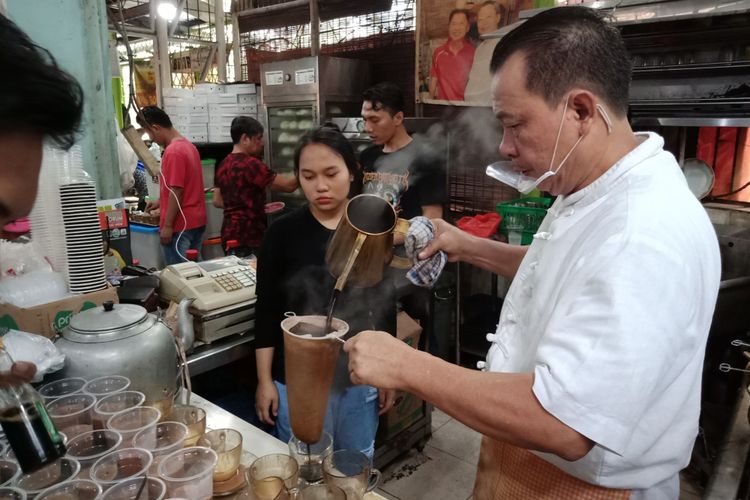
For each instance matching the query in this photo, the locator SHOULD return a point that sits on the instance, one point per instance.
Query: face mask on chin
(504, 172)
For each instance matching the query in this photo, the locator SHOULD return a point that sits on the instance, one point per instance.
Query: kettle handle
(398, 262)
(341, 281)
(401, 227)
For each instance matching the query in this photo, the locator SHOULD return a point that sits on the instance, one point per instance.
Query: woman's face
(323, 177)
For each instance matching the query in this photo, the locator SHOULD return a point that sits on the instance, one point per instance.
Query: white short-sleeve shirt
(610, 309)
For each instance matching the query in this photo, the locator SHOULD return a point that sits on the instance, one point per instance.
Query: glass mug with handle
(351, 472)
(274, 477)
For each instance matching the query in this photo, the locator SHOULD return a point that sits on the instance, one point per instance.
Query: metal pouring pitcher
(362, 245)
(309, 365)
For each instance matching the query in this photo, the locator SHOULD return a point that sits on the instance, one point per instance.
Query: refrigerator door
(286, 125)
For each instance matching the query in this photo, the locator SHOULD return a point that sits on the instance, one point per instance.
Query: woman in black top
(292, 276)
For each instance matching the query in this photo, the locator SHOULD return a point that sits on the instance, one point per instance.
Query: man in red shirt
(182, 203)
(451, 62)
(240, 187)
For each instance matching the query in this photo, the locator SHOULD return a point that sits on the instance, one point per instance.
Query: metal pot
(363, 242)
(124, 339)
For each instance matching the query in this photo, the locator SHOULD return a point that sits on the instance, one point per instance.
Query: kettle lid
(107, 318)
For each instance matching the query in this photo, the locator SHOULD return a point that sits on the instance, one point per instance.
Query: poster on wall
(453, 61)
(145, 83)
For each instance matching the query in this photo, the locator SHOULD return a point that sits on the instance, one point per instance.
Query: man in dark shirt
(408, 172)
(240, 187)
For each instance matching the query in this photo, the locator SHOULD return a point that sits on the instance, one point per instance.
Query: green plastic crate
(527, 212)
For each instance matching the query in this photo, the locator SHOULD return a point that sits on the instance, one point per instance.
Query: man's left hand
(378, 359)
(165, 235)
(386, 398)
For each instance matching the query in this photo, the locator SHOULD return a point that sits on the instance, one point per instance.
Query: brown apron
(506, 472)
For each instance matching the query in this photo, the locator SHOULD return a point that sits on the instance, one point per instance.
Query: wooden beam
(141, 10)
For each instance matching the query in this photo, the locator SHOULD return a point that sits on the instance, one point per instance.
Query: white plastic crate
(222, 109)
(247, 99)
(198, 118)
(223, 118)
(221, 99)
(179, 120)
(247, 110)
(170, 102)
(171, 93)
(240, 88)
(209, 88)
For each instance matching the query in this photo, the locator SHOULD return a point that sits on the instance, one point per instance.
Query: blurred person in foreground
(593, 376)
(38, 102)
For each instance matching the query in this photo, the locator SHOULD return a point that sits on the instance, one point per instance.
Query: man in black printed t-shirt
(408, 172)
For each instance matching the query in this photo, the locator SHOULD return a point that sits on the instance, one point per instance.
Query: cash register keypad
(235, 279)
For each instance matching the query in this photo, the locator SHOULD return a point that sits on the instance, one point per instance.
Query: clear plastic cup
(515, 234)
(227, 443)
(9, 472)
(161, 440)
(62, 387)
(188, 472)
(89, 447)
(11, 493)
(61, 470)
(133, 420)
(155, 489)
(77, 489)
(115, 403)
(194, 418)
(72, 413)
(108, 384)
(119, 465)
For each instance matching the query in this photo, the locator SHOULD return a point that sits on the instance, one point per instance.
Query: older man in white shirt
(593, 379)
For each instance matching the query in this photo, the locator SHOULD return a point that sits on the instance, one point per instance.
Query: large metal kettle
(124, 339)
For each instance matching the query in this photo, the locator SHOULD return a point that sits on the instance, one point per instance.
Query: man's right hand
(449, 239)
(152, 205)
(267, 402)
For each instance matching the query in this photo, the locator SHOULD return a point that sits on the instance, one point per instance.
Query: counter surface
(255, 442)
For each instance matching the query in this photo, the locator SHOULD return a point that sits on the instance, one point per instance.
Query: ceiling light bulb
(166, 10)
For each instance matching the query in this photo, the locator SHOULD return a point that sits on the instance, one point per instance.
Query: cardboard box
(50, 319)
(408, 408)
(408, 330)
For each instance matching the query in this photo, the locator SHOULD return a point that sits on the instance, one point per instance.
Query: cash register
(224, 293)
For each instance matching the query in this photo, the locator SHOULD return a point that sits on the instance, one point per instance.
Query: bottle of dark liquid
(24, 419)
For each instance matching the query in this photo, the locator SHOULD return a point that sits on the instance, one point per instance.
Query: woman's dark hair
(35, 94)
(330, 135)
(153, 115)
(568, 47)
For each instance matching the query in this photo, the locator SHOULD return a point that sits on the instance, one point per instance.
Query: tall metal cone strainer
(309, 366)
